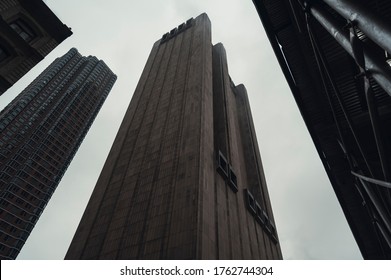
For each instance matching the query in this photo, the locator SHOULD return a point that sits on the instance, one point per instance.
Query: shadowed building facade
(183, 179)
(40, 132)
(336, 57)
(29, 31)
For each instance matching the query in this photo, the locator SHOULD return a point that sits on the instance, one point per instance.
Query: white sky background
(308, 217)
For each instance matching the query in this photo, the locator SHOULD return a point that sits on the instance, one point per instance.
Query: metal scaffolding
(335, 55)
(378, 193)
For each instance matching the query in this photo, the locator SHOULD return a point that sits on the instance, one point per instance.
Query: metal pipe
(319, 56)
(373, 25)
(373, 115)
(376, 221)
(373, 181)
(383, 214)
(385, 234)
(377, 68)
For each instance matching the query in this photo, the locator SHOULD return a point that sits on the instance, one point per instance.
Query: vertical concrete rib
(177, 126)
(255, 170)
(182, 229)
(257, 236)
(152, 234)
(220, 74)
(206, 223)
(121, 193)
(83, 232)
(134, 220)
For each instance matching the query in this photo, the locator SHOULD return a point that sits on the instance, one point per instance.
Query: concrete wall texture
(174, 183)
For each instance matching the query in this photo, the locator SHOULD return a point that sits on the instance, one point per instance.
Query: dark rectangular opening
(250, 202)
(189, 22)
(181, 27)
(266, 221)
(165, 37)
(272, 227)
(173, 32)
(222, 165)
(273, 234)
(260, 218)
(23, 30)
(233, 180)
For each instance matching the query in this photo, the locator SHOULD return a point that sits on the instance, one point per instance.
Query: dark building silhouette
(40, 132)
(335, 55)
(29, 30)
(183, 179)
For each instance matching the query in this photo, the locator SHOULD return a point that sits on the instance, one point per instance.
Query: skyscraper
(40, 132)
(335, 55)
(29, 30)
(183, 179)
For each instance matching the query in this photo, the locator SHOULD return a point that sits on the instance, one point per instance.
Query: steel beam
(383, 213)
(373, 181)
(373, 25)
(373, 115)
(376, 67)
(321, 62)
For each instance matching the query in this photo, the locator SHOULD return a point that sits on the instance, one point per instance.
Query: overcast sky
(309, 220)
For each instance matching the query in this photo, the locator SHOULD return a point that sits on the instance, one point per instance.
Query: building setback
(29, 30)
(183, 179)
(40, 132)
(335, 55)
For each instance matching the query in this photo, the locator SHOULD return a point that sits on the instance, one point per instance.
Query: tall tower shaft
(184, 173)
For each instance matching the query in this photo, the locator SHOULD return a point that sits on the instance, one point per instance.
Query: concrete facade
(177, 181)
